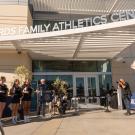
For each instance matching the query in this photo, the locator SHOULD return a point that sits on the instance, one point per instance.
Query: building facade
(89, 44)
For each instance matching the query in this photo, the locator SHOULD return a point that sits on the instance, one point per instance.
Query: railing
(14, 2)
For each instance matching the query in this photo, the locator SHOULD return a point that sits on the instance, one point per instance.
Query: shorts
(26, 98)
(3, 100)
(15, 100)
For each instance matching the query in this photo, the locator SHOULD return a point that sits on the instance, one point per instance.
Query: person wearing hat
(126, 94)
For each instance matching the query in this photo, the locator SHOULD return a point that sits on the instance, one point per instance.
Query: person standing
(3, 96)
(126, 94)
(16, 93)
(41, 93)
(26, 99)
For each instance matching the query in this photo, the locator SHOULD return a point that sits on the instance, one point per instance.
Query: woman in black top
(26, 99)
(16, 93)
(3, 95)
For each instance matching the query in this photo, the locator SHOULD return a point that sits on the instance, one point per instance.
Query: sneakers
(13, 120)
(1, 124)
(127, 113)
(16, 119)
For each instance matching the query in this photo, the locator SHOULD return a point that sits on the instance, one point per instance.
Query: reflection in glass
(104, 82)
(92, 89)
(69, 80)
(92, 86)
(80, 86)
(71, 66)
(104, 66)
(51, 78)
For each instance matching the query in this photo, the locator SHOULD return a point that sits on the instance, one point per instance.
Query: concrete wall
(121, 67)
(9, 61)
(29, 19)
(15, 16)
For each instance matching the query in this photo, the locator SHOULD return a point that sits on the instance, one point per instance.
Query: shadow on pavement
(68, 114)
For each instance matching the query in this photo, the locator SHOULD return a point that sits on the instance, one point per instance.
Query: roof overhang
(91, 7)
(104, 41)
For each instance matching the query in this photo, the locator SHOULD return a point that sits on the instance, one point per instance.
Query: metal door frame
(86, 94)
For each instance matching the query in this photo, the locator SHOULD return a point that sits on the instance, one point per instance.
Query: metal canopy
(92, 7)
(91, 43)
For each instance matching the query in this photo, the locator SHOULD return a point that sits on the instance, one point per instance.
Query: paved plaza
(90, 121)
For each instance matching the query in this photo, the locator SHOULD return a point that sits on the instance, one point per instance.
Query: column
(86, 93)
(119, 95)
(74, 86)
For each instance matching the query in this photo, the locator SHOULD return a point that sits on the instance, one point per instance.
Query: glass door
(87, 88)
(92, 89)
(80, 88)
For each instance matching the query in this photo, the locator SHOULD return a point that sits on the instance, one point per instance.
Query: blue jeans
(127, 101)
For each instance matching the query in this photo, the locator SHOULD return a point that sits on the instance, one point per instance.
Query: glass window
(92, 86)
(105, 83)
(52, 66)
(51, 78)
(80, 86)
(71, 66)
(34, 85)
(104, 66)
(84, 66)
(69, 80)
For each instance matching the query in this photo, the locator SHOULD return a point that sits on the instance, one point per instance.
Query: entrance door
(80, 88)
(87, 88)
(92, 90)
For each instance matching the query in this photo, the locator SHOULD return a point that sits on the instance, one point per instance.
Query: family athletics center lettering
(72, 24)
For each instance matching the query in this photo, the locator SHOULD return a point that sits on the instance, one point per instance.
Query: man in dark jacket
(41, 95)
(126, 94)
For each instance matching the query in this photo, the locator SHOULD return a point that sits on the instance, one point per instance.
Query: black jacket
(127, 91)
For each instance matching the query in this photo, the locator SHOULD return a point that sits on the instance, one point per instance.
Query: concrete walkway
(89, 122)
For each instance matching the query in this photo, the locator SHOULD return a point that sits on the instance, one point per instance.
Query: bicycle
(2, 130)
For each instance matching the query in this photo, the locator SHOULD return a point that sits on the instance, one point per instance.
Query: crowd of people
(22, 96)
(19, 94)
